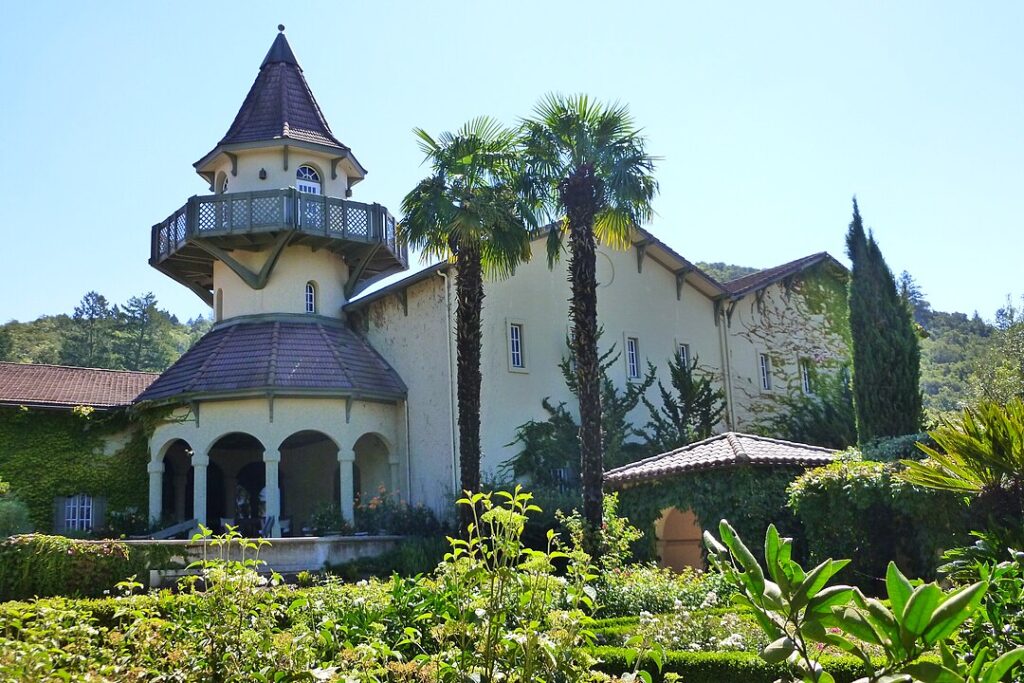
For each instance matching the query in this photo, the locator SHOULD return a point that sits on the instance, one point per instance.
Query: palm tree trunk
(469, 287)
(579, 193)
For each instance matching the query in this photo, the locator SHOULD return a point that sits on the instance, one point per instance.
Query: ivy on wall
(49, 453)
(804, 318)
(751, 498)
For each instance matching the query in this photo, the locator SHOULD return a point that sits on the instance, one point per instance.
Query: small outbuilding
(741, 477)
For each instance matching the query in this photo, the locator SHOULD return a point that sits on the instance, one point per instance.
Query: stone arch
(175, 504)
(374, 460)
(308, 478)
(228, 454)
(679, 543)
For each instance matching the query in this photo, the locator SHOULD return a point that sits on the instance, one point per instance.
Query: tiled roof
(280, 104)
(285, 355)
(58, 386)
(725, 450)
(763, 278)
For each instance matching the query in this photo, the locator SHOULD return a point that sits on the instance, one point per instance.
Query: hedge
(717, 667)
(34, 565)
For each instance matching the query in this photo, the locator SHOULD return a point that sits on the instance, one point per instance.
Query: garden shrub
(412, 556)
(862, 510)
(14, 518)
(896, 448)
(647, 588)
(38, 565)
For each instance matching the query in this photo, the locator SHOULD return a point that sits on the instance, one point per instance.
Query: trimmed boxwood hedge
(719, 667)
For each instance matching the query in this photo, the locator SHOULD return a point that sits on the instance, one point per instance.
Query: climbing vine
(49, 453)
(749, 497)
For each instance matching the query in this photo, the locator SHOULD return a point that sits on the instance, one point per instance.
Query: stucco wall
(272, 161)
(417, 347)
(285, 291)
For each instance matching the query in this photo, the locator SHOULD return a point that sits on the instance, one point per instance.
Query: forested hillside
(136, 335)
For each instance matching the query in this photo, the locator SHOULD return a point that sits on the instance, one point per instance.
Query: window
(516, 354)
(224, 184)
(805, 376)
(307, 179)
(632, 358)
(78, 511)
(766, 371)
(310, 297)
(684, 355)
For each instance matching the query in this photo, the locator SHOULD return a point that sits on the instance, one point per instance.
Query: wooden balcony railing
(275, 210)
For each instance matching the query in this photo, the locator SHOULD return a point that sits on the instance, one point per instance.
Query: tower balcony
(207, 228)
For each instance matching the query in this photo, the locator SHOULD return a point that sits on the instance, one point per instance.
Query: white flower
(481, 613)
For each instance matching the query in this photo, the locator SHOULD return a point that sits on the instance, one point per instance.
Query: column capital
(200, 460)
(155, 467)
(271, 455)
(346, 456)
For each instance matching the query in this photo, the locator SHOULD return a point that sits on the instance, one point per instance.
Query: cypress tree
(886, 355)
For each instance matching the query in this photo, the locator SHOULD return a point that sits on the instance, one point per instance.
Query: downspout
(451, 381)
(408, 452)
(723, 345)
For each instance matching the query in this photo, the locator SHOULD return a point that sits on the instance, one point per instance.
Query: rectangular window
(78, 513)
(766, 371)
(516, 359)
(805, 376)
(632, 357)
(684, 355)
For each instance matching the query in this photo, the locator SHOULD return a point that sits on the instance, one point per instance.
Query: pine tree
(691, 407)
(886, 355)
(88, 342)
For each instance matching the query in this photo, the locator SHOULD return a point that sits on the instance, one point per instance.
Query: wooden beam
(234, 162)
(681, 280)
(641, 252)
(254, 280)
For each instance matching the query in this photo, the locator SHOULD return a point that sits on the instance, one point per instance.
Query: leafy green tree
(724, 272)
(6, 344)
(998, 373)
(88, 341)
(691, 406)
(470, 210)
(913, 296)
(589, 165)
(886, 356)
(551, 448)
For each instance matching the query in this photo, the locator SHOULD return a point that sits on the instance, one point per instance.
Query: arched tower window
(310, 297)
(218, 306)
(224, 184)
(307, 179)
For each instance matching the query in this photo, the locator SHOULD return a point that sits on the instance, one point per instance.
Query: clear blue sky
(768, 118)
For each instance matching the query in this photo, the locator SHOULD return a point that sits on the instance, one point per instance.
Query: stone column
(156, 490)
(200, 461)
(271, 463)
(346, 461)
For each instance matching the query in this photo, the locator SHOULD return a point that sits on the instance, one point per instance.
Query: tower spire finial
(280, 27)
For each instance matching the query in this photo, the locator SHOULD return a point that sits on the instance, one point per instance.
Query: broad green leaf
(898, 587)
(777, 651)
(932, 672)
(954, 611)
(1003, 665)
(919, 609)
(771, 552)
(854, 623)
(882, 619)
(752, 569)
(713, 545)
(833, 596)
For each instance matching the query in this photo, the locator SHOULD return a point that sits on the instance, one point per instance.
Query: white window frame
(309, 183)
(514, 327)
(633, 371)
(684, 354)
(310, 297)
(805, 376)
(764, 366)
(78, 512)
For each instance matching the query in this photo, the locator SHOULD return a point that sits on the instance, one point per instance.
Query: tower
(281, 409)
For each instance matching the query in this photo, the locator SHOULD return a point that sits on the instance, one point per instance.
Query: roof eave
(204, 165)
(271, 392)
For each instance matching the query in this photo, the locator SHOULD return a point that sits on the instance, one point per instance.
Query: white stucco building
(308, 391)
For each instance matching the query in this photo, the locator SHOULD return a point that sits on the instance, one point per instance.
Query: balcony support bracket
(256, 280)
(356, 272)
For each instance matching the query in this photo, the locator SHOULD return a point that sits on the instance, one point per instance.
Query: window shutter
(59, 521)
(99, 513)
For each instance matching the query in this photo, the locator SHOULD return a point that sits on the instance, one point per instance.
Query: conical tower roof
(280, 107)
(280, 104)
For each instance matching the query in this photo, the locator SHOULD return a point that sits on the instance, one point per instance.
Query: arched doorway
(308, 479)
(679, 540)
(234, 456)
(176, 498)
(372, 471)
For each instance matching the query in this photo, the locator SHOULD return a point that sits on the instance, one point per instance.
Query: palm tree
(588, 163)
(469, 210)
